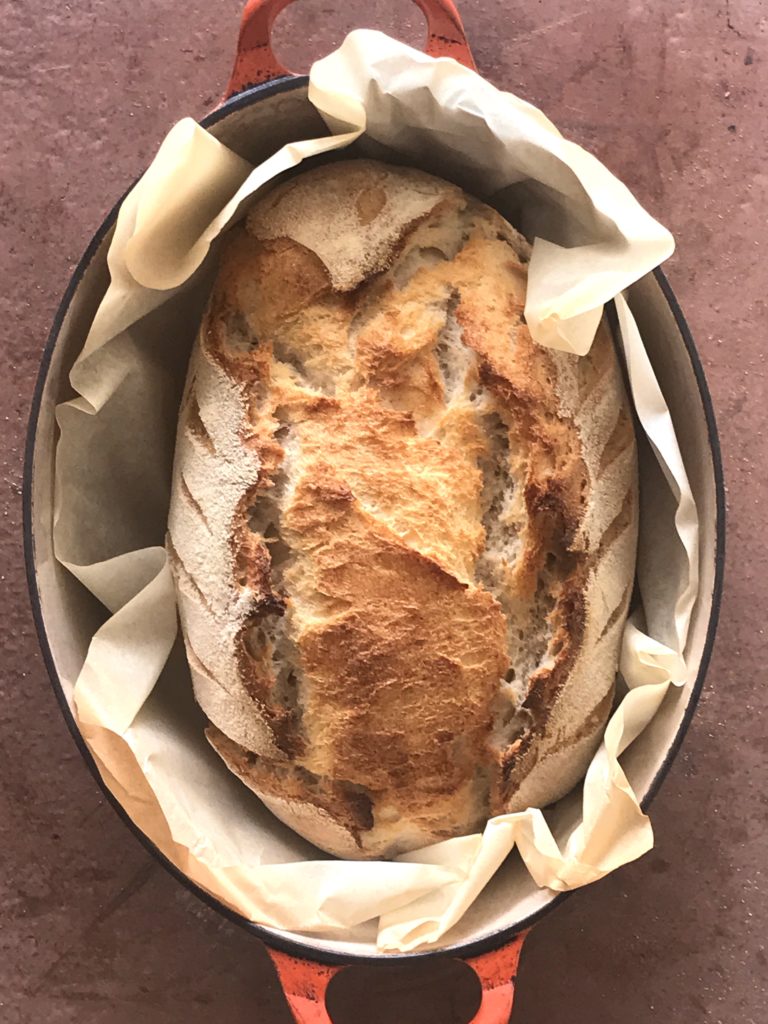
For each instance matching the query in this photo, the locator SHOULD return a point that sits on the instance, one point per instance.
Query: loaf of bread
(402, 533)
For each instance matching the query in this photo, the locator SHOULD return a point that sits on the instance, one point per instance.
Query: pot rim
(298, 946)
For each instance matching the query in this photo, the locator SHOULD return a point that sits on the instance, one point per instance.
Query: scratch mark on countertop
(559, 23)
(136, 882)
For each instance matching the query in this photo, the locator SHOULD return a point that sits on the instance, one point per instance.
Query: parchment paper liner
(133, 697)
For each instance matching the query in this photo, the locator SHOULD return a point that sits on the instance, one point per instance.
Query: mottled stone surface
(672, 97)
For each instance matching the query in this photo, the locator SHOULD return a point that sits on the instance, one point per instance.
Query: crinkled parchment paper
(133, 698)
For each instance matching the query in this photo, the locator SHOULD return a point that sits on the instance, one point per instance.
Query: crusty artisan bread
(402, 533)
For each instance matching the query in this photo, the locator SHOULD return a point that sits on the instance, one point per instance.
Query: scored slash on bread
(403, 534)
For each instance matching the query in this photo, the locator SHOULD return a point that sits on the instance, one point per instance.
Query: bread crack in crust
(403, 534)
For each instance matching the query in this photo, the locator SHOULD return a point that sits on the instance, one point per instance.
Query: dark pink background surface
(671, 96)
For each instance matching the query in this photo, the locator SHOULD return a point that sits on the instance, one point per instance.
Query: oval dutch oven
(263, 96)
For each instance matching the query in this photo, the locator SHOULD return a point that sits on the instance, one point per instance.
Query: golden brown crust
(349, 807)
(404, 668)
(415, 550)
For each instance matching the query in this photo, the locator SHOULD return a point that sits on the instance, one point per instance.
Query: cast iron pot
(264, 107)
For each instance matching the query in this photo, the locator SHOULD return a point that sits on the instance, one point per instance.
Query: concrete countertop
(671, 96)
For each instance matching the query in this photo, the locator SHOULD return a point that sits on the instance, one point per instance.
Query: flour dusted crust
(403, 534)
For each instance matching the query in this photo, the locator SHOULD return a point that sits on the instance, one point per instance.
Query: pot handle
(305, 983)
(256, 63)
